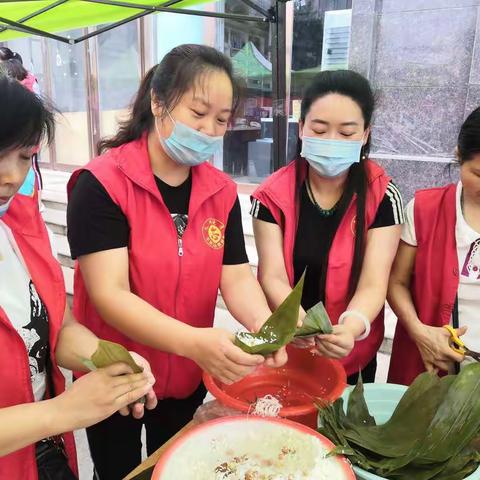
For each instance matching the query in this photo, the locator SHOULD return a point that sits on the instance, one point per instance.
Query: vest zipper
(180, 246)
(180, 253)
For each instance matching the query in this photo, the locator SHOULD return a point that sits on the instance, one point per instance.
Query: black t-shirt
(96, 223)
(314, 232)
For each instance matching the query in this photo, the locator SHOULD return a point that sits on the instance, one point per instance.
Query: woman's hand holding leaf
(434, 347)
(138, 408)
(299, 342)
(278, 330)
(110, 353)
(315, 322)
(337, 344)
(99, 394)
(213, 350)
(277, 359)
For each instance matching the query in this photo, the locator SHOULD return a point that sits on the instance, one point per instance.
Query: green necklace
(323, 212)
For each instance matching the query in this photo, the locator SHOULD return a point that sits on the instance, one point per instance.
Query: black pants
(115, 443)
(368, 373)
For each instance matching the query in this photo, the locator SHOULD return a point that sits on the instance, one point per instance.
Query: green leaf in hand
(278, 330)
(316, 322)
(107, 354)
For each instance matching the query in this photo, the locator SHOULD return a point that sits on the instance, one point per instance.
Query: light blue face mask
(28, 186)
(331, 158)
(4, 207)
(188, 146)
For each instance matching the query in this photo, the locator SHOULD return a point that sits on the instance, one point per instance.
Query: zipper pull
(180, 247)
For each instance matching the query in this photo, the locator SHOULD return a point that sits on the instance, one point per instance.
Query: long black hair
(26, 119)
(179, 71)
(13, 64)
(468, 144)
(356, 87)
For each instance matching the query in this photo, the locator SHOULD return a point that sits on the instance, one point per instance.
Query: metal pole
(200, 13)
(120, 23)
(93, 94)
(48, 89)
(17, 26)
(34, 31)
(107, 28)
(279, 87)
(38, 12)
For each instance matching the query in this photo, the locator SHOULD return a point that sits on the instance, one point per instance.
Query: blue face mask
(28, 186)
(331, 158)
(4, 207)
(188, 146)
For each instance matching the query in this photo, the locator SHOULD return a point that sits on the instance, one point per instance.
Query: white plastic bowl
(195, 455)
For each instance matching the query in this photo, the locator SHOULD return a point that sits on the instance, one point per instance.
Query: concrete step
(56, 220)
(58, 196)
(61, 245)
(63, 250)
(68, 274)
(54, 205)
(55, 180)
(54, 200)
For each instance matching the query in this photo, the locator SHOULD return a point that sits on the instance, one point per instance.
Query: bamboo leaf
(316, 322)
(357, 409)
(278, 330)
(432, 434)
(107, 354)
(89, 364)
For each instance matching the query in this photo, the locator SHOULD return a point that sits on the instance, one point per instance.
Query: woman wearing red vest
(37, 331)
(336, 215)
(157, 231)
(435, 280)
(12, 64)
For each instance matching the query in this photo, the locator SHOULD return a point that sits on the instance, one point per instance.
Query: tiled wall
(423, 58)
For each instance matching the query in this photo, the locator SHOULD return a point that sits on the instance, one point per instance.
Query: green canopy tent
(250, 63)
(254, 68)
(47, 18)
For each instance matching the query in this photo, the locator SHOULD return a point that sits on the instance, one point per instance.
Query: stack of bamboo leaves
(432, 435)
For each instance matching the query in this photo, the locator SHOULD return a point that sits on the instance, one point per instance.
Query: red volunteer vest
(435, 278)
(184, 287)
(30, 233)
(277, 193)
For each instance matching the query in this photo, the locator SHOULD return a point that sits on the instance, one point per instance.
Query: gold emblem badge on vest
(213, 231)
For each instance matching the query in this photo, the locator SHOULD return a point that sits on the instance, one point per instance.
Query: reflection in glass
(69, 93)
(118, 59)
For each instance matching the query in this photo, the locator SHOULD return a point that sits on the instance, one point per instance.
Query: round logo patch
(213, 231)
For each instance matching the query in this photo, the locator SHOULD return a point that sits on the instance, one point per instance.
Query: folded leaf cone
(278, 330)
(108, 353)
(316, 322)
